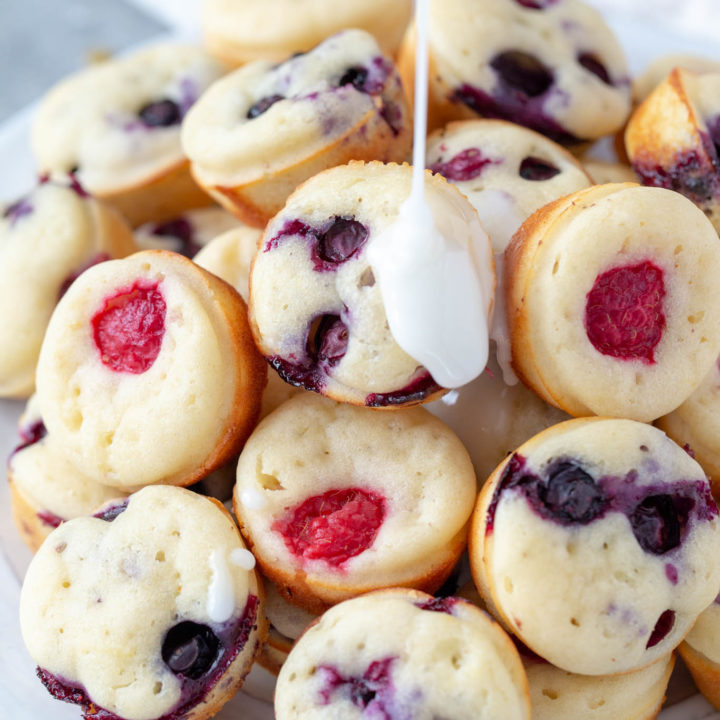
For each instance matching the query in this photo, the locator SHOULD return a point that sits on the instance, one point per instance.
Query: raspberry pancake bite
(117, 127)
(152, 611)
(316, 309)
(590, 543)
(673, 138)
(551, 65)
(336, 500)
(264, 129)
(45, 488)
(188, 233)
(47, 238)
(148, 373)
(701, 652)
(603, 290)
(506, 171)
(240, 31)
(230, 256)
(403, 654)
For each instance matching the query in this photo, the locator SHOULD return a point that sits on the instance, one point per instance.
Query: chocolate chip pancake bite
(403, 654)
(116, 126)
(336, 500)
(506, 171)
(590, 543)
(551, 65)
(238, 31)
(701, 652)
(603, 290)
(316, 309)
(45, 488)
(148, 373)
(673, 138)
(188, 233)
(47, 238)
(264, 129)
(153, 611)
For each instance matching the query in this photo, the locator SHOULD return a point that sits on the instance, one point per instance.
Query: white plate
(21, 695)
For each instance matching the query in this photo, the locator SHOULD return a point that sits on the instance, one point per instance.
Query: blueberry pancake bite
(46, 489)
(47, 238)
(188, 233)
(264, 129)
(551, 65)
(116, 125)
(336, 500)
(591, 544)
(403, 654)
(603, 290)
(238, 31)
(148, 373)
(316, 310)
(701, 652)
(673, 138)
(506, 171)
(230, 256)
(151, 611)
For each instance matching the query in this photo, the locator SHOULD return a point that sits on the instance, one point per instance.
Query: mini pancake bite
(603, 290)
(701, 652)
(148, 373)
(152, 611)
(336, 500)
(230, 256)
(506, 171)
(696, 425)
(403, 654)
(238, 32)
(264, 129)
(590, 543)
(316, 309)
(551, 65)
(47, 238)
(116, 125)
(673, 138)
(186, 234)
(45, 488)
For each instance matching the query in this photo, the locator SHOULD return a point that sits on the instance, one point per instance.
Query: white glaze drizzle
(243, 558)
(435, 288)
(221, 594)
(253, 499)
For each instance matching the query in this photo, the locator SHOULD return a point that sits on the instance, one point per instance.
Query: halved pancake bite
(608, 312)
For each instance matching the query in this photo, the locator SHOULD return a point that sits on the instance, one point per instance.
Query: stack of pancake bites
(224, 458)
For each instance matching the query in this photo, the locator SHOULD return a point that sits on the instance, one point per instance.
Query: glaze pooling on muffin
(129, 330)
(624, 315)
(334, 526)
(660, 515)
(201, 656)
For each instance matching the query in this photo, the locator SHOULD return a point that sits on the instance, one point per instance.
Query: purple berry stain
(262, 106)
(659, 514)
(464, 166)
(522, 72)
(112, 511)
(595, 66)
(662, 628)
(439, 604)
(355, 76)
(671, 573)
(536, 4)
(416, 391)
(342, 240)
(373, 691)
(19, 209)
(182, 229)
